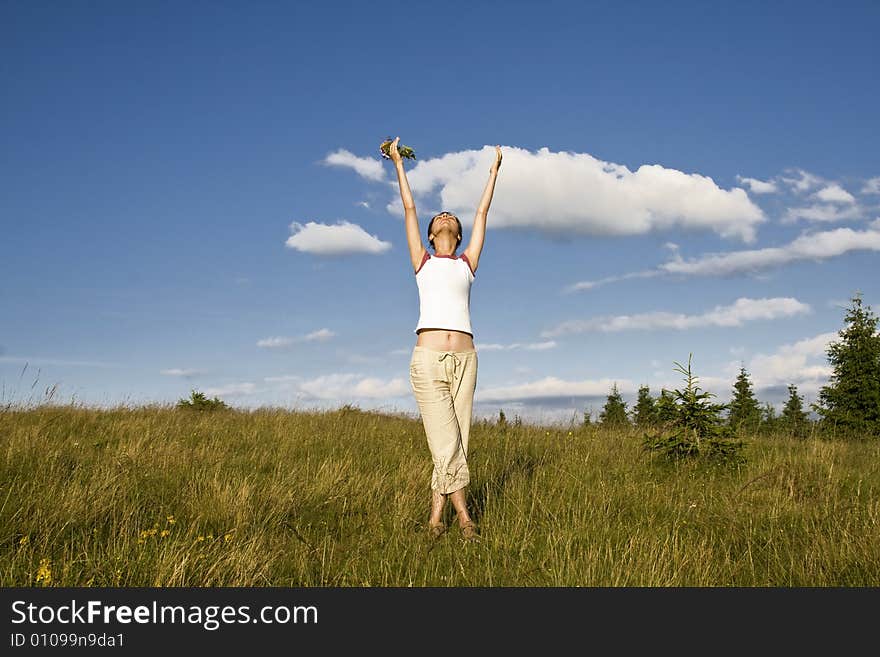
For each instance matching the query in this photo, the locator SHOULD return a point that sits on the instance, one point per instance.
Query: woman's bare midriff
(445, 340)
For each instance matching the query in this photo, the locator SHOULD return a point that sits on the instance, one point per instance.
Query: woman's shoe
(436, 531)
(469, 531)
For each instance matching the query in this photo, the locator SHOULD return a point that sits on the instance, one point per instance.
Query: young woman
(443, 368)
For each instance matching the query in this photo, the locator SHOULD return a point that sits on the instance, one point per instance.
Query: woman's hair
(431, 223)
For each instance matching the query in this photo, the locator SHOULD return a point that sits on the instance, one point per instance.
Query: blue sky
(193, 196)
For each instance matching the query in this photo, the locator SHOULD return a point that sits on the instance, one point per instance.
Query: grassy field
(155, 496)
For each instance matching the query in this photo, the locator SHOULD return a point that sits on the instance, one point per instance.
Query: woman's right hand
(393, 152)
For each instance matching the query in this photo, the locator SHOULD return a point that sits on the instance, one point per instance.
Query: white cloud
(363, 204)
(803, 182)
(321, 335)
(834, 193)
(533, 346)
(565, 193)
(872, 186)
(553, 387)
(280, 342)
(176, 371)
(821, 212)
(341, 238)
(348, 386)
(367, 167)
(813, 246)
(231, 390)
(330, 388)
(788, 363)
(589, 285)
(758, 186)
(741, 311)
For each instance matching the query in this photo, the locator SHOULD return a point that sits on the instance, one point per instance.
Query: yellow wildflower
(164, 533)
(170, 520)
(24, 540)
(44, 572)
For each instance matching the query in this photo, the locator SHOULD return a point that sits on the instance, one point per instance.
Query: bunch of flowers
(405, 151)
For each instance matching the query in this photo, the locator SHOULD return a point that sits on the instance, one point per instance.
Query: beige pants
(443, 383)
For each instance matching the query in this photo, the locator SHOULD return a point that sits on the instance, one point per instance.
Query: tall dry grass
(154, 496)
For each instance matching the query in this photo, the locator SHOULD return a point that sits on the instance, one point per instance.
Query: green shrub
(198, 402)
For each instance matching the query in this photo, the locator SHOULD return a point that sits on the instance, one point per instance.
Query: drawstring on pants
(455, 359)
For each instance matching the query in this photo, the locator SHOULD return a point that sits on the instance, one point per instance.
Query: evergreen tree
(643, 413)
(698, 428)
(587, 415)
(664, 409)
(744, 415)
(502, 418)
(769, 419)
(850, 404)
(614, 412)
(795, 420)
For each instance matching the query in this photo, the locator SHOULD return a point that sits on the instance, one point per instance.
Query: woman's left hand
(497, 164)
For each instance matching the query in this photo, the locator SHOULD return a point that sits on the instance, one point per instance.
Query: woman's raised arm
(411, 219)
(478, 234)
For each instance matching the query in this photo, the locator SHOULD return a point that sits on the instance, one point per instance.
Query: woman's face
(445, 221)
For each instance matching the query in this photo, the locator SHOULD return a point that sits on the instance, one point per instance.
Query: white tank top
(444, 292)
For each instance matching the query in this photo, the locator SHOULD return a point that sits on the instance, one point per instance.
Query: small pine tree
(794, 420)
(644, 411)
(850, 404)
(664, 409)
(587, 417)
(698, 428)
(613, 414)
(502, 419)
(745, 414)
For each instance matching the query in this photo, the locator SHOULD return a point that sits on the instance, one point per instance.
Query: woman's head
(443, 217)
